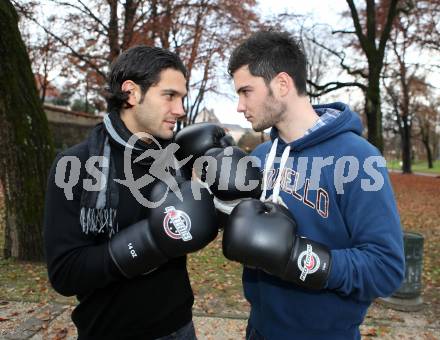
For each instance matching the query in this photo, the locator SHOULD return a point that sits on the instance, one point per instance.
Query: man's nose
(178, 109)
(241, 107)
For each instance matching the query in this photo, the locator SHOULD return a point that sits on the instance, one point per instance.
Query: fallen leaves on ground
(217, 281)
(418, 200)
(369, 332)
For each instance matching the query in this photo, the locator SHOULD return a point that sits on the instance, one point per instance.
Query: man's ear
(133, 92)
(283, 84)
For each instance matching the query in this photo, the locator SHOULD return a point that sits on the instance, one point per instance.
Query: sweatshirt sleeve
(77, 263)
(374, 264)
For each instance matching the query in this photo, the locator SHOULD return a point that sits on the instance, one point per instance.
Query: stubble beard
(272, 113)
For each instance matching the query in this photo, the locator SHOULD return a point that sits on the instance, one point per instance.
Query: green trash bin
(412, 283)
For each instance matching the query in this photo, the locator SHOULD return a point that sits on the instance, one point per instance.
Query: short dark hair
(268, 53)
(142, 64)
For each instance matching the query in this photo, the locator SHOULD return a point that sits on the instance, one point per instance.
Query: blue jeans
(252, 333)
(187, 332)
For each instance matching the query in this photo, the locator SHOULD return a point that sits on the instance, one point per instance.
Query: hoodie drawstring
(268, 166)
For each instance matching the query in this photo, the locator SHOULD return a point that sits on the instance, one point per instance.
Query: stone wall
(69, 128)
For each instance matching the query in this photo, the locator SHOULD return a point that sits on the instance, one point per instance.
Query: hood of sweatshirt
(343, 120)
(346, 121)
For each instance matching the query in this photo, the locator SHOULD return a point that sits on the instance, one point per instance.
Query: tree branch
(371, 24)
(84, 10)
(332, 86)
(343, 32)
(392, 12)
(357, 25)
(341, 58)
(63, 43)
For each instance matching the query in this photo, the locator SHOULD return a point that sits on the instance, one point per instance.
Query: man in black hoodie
(119, 219)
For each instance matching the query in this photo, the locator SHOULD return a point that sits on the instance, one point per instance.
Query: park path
(24, 320)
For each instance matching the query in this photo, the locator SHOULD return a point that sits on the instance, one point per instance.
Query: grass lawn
(418, 166)
(217, 282)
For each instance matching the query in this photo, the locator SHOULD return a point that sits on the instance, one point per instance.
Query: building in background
(245, 138)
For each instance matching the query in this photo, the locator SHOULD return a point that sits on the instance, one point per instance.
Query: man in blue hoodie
(310, 272)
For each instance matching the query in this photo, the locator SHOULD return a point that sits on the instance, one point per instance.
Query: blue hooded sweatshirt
(337, 187)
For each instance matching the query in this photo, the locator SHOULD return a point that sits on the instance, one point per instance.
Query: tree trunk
(405, 133)
(435, 144)
(86, 104)
(429, 155)
(130, 7)
(113, 31)
(373, 46)
(373, 111)
(26, 149)
(425, 141)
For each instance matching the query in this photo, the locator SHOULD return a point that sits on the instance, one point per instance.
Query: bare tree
(371, 31)
(427, 13)
(427, 116)
(398, 87)
(93, 33)
(322, 59)
(405, 81)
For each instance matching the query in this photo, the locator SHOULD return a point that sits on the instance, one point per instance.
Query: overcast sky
(318, 11)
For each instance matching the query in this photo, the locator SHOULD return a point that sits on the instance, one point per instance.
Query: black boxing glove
(234, 176)
(237, 175)
(198, 140)
(185, 226)
(174, 228)
(263, 235)
(134, 250)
